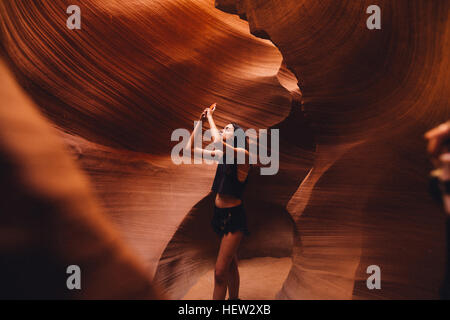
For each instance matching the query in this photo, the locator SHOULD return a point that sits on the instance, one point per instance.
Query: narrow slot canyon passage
(188, 261)
(87, 118)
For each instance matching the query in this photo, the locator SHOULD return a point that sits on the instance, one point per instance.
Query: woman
(229, 219)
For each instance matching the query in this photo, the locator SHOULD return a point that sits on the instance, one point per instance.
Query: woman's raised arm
(214, 132)
(198, 127)
(189, 146)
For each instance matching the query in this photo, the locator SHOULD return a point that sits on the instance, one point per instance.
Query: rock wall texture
(351, 105)
(369, 95)
(50, 219)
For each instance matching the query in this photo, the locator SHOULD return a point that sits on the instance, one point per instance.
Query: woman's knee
(221, 274)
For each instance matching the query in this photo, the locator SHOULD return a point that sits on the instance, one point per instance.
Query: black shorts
(229, 220)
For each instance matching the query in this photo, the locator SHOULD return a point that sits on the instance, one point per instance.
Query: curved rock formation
(351, 189)
(370, 94)
(49, 218)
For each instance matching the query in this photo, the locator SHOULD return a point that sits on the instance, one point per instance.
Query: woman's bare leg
(228, 248)
(233, 279)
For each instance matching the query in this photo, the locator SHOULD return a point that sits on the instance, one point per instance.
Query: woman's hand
(438, 141)
(203, 115)
(436, 137)
(208, 111)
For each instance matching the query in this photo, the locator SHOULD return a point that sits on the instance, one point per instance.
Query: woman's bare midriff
(226, 201)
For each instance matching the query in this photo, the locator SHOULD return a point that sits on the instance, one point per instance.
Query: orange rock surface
(85, 142)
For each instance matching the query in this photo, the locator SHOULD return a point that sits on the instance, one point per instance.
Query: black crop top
(226, 180)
